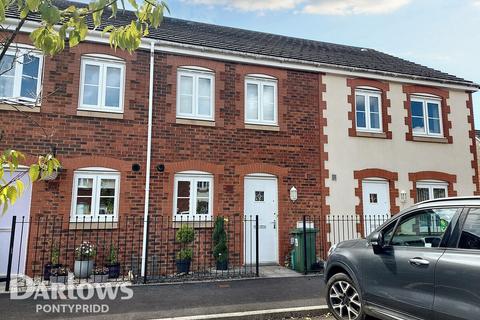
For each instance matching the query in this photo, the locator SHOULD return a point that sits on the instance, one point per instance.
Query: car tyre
(344, 298)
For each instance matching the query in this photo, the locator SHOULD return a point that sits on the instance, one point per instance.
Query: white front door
(260, 198)
(376, 203)
(21, 208)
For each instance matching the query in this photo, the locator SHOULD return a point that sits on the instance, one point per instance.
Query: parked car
(423, 263)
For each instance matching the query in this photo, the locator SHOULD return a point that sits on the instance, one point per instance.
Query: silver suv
(423, 263)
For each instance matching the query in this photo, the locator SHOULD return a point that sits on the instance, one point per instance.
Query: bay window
(193, 196)
(102, 84)
(195, 94)
(426, 116)
(261, 100)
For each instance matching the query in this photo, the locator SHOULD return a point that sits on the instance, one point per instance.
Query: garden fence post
(305, 263)
(257, 271)
(145, 267)
(10, 254)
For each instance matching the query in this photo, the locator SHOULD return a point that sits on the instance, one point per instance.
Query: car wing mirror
(376, 240)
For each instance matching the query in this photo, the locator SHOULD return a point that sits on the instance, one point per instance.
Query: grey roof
(240, 40)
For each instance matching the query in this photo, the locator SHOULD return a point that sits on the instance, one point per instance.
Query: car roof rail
(447, 199)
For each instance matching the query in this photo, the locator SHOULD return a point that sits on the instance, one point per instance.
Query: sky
(442, 34)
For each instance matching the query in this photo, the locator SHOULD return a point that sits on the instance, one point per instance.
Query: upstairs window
(193, 196)
(195, 94)
(261, 100)
(426, 116)
(368, 110)
(102, 84)
(95, 195)
(431, 190)
(20, 75)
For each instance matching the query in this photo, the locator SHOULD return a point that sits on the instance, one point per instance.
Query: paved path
(163, 301)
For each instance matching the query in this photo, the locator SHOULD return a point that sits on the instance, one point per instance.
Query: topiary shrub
(220, 248)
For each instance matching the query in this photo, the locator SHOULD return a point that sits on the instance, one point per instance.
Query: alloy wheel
(345, 300)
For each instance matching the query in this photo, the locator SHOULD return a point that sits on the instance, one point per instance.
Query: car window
(470, 238)
(424, 228)
(388, 232)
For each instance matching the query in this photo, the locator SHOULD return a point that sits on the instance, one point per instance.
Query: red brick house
(225, 122)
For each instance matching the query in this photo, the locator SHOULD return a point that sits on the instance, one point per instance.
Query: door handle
(274, 224)
(419, 262)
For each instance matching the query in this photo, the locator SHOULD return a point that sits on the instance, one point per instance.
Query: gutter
(149, 156)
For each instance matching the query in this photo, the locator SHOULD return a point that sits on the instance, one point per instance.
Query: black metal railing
(51, 249)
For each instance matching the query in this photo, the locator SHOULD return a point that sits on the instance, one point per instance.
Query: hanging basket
(52, 176)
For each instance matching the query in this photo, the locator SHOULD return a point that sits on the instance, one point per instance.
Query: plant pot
(59, 279)
(113, 270)
(99, 278)
(83, 268)
(222, 265)
(183, 266)
(47, 270)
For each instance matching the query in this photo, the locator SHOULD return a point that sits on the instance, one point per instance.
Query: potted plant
(220, 249)
(185, 236)
(59, 275)
(99, 275)
(84, 255)
(113, 265)
(54, 259)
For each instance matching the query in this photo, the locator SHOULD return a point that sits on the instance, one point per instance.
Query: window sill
(19, 107)
(196, 122)
(93, 225)
(430, 139)
(99, 114)
(262, 127)
(194, 224)
(379, 135)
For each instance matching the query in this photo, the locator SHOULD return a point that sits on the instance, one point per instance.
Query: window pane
(422, 194)
(90, 95)
(373, 104)
(360, 103)
(113, 77)
(203, 189)
(417, 109)
(6, 86)
(268, 103)
(433, 110)
(418, 124)
(7, 65)
(186, 95)
(439, 193)
(84, 196)
(183, 189)
(106, 206)
(204, 97)
(107, 187)
(470, 238)
(183, 206)
(252, 101)
(204, 87)
(30, 66)
(83, 205)
(92, 74)
(202, 206)
(186, 85)
(112, 97)
(374, 120)
(186, 104)
(434, 125)
(29, 88)
(424, 229)
(361, 121)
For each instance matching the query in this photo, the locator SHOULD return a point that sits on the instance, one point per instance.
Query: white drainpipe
(149, 155)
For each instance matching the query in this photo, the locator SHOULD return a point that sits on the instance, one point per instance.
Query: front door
(21, 209)
(260, 198)
(376, 204)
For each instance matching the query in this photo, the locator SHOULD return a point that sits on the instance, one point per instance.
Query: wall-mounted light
(293, 194)
(403, 196)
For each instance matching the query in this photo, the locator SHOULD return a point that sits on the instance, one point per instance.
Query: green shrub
(185, 234)
(220, 248)
(112, 254)
(185, 254)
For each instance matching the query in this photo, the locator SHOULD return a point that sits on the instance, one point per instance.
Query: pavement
(235, 299)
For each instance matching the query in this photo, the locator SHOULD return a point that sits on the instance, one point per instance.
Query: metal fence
(55, 249)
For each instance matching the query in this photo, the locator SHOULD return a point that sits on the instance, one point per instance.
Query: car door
(457, 276)
(401, 276)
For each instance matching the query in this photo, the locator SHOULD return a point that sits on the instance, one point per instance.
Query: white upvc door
(261, 198)
(376, 203)
(21, 209)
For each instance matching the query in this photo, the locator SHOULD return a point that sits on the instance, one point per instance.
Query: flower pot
(83, 268)
(183, 266)
(59, 279)
(222, 265)
(99, 278)
(47, 270)
(113, 270)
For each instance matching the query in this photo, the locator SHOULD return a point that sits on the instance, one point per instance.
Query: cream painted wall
(347, 154)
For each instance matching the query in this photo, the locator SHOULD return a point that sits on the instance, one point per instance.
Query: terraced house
(205, 121)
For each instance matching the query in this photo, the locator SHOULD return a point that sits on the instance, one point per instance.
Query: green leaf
(33, 4)
(34, 172)
(20, 186)
(50, 14)
(2, 11)
(12, 194)
(134, 4)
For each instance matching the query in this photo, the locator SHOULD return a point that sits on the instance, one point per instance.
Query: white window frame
(425, 100)
(19, 53)
(96, 174)
(193, 177)
(261, 81)
(430, 185)
(103, 61)
(367, 93)
(196, 73)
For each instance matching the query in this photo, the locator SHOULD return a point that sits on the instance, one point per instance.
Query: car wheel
(344, 299)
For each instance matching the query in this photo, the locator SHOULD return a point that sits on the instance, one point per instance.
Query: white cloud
(323, 7)
(476, 2)
(350, 7)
